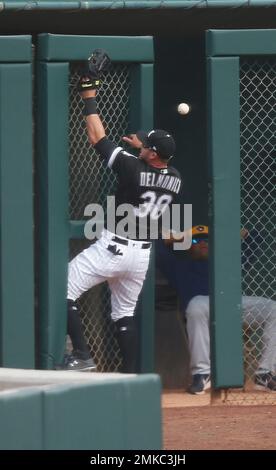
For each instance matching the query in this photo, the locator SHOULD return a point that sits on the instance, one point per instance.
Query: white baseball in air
(183, 108)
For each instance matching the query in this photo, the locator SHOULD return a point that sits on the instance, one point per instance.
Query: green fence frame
(54, 52)
(223, 50)
(16, 204)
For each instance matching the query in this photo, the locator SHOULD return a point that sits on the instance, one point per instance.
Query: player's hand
(94, 68)
(86, 88)
(132, 140)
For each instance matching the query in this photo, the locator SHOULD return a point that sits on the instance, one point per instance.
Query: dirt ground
(191, 423)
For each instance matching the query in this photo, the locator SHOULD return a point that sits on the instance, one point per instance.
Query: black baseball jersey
(144, 193)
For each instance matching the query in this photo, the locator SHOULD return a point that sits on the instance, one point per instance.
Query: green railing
(131, 4)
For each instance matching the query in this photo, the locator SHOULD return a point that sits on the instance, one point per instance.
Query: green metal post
(16, 214)
(52, 147)
(141, 117)
(225, 256)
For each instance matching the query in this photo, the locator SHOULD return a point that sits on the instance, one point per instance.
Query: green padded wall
(16, 204)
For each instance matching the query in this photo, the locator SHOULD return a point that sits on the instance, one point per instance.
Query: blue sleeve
(171, 266)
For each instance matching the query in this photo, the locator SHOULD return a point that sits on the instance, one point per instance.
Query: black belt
(125, 242)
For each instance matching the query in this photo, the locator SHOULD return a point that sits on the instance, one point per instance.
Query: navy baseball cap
(158, 140)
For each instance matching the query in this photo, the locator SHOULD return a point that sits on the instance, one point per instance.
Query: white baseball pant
(125, 272)
(254, 310)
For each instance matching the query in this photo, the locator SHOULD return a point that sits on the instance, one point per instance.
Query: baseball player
(149, 185)
(190, 278)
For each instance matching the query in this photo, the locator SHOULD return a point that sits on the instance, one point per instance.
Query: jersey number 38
(153, 205)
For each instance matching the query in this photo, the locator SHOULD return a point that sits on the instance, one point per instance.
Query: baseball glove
(98, 63)
(96, 66)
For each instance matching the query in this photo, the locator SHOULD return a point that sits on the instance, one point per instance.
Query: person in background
(188, 274)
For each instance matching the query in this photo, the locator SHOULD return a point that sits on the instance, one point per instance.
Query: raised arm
(94, 126)
(96, 65)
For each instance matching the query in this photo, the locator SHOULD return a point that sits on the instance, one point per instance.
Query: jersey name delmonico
(150, 191)
(160, 179)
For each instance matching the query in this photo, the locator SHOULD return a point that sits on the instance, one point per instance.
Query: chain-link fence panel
(258, 208)
(91, 182)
